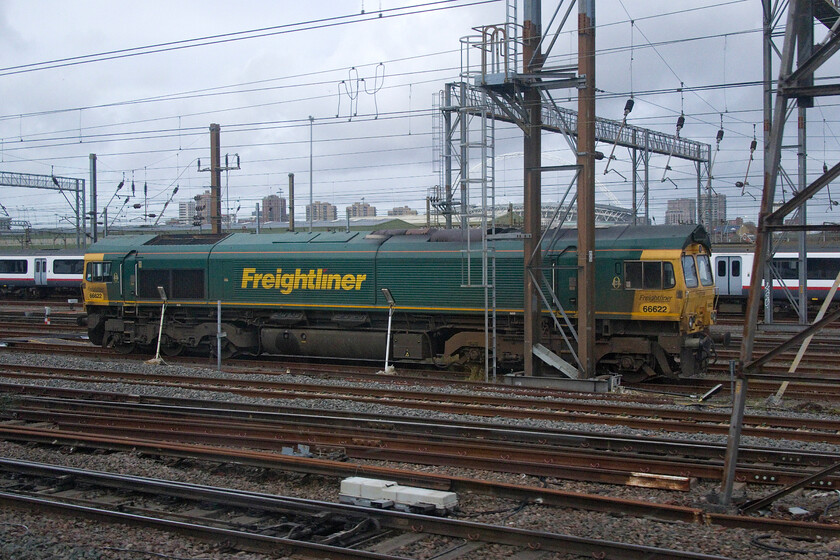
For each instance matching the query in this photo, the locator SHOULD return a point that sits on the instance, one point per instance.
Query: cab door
(129, 269)
(729, 275)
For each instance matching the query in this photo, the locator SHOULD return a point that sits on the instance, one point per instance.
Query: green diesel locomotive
(320, 294)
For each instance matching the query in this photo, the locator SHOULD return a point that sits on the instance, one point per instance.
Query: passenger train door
(729, 276)
(40, 272)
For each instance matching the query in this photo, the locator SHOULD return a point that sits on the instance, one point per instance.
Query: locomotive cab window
(704, 270)
(649, 275)
(98, 272)
(689, 271)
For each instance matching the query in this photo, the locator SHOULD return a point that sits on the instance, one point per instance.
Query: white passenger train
(733, 275)
(35, 273)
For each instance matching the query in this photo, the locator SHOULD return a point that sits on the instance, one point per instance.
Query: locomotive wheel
(170, 348)
(96, 335)
(229, 349)
(115, 341)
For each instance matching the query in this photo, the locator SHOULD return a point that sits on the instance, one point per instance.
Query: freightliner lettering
(313, 280)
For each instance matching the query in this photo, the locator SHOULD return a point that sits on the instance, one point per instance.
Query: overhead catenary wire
(200, 131)
(428, 7)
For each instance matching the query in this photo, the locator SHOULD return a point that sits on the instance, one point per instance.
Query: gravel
(27, 535)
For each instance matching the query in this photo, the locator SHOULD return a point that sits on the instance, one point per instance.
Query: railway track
(279, 525)
(815, 384)
(810, 392)
(559, 454)
(519, 492)
(377, 436)
(503, 405)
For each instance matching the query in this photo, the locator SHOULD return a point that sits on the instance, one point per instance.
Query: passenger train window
(736, 268)
(823, 268)
(721, 266)
(646, 275)
(98, 272)
(689, 271)
(68, 266)
(787, 269)
(704, 268)
(818, 268)
(13, 266)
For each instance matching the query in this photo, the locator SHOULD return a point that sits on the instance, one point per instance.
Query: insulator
(176, 190)
(120, 185)
(198, 162)
(145, 189)
(720, 135)
(680, 122)
(628, 106)
(132, 188)
(825, 168)
(753, 145)
(138, 206)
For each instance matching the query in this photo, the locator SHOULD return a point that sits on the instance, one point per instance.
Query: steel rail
(324, 467)
(665, 471)
(472, 531)
(429, 428)
(481, 405)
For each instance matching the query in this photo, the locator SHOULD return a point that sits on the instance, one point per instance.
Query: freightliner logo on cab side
(313, 280)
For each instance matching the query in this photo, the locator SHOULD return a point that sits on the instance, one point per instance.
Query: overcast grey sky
(370, 81)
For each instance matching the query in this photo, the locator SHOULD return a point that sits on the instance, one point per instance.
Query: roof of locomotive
(617, 237)
(119, 243)
(294, 241)
(636, 237)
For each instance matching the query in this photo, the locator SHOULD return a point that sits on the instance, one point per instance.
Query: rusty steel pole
(775, 115)
(586, 188)
(532, 148)
(215, 180)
